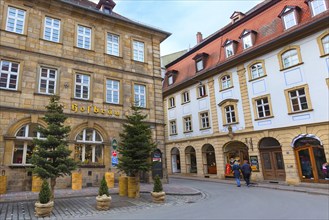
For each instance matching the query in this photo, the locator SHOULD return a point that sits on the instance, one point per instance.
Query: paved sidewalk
(312, 188)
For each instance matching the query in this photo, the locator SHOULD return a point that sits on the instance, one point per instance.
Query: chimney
(198, 37)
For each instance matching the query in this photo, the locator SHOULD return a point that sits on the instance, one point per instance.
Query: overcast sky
(182, 18)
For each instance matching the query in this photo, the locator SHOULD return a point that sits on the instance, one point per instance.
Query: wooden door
(273, 165)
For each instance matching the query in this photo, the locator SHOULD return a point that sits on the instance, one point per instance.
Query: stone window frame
(5, 17)
(27, 140)
(183, 97)
(171, 102)
(146, 93)
(201, 91)
(229, 102)
(91, 75)
(262, 62)
(19, 73)
(220, 81)
(120, 91)
(190, 123)
(171, 124)
(207, 118)
(320, 43)
(307, 96)
(57, 80)
(133, 50)
(94, 143)
(286, 49)
(43, 28)
(310, 4)
(119, 43)
(92, 36)
(254, 104)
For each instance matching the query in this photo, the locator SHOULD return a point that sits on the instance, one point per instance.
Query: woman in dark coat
(237, 172)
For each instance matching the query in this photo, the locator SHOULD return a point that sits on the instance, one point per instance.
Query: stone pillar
(213, 106)
(245, 97)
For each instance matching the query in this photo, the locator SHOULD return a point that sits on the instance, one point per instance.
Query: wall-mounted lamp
(249, 143)
(3, 172)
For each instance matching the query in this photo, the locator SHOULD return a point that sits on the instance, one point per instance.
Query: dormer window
(171, 76)
(317, 6)
(236, 16)
(106, 6)
(248, 38)
(290, 16)
(230, 47)
(200, 61)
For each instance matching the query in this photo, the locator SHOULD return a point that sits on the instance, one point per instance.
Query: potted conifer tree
(158, 194)
(44, 206)
(103, 199)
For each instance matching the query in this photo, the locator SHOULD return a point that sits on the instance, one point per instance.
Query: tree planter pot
(103, 202)
(43, 210)
(158, 197)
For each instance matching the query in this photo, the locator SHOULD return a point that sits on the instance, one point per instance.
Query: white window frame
(226, 82)
(170, 80)
(138, 51)
(230, 114)
(18, 20)
(10, 74)
(140, 96)
(53, 29)
(48, 80)
(229, 50)
(204, 120)
(202, 91)
(298, 98)
(172, 102)
(84, 37)
(325, 44)
(199, 65)
(173, 127)
(82, 85)
(187, 124)
(257, 71)
(186, 97)
(316, 5)
(264, 106)
(93, 144)
(112, 44)
(289, 20)
(26, 139)
(247, 41)
(291, 56)
(111, 91)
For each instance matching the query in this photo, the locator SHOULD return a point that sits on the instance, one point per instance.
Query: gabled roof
(246, 31)
(288, 9)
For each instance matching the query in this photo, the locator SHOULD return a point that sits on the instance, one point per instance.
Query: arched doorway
(157, 164)
(272, 159)
(190, 156)
(175, 160)
(234, 151)
(209, 159)
(310, 158)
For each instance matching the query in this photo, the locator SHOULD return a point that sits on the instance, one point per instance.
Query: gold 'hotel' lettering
(93, 109)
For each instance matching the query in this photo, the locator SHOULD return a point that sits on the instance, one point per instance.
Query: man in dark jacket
(246, 172)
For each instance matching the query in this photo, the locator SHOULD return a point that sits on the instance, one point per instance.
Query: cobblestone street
(73, 208)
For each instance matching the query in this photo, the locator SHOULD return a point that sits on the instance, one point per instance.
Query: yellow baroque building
(96, 60)
(255, 90)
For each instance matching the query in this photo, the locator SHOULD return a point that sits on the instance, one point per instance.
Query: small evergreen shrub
(44, 194)
(103, 189)
(157, 184)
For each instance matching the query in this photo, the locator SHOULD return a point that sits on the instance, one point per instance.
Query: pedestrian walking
(236, 171)
(246, 172)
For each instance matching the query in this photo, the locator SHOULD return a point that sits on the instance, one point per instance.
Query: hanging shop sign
(91, 109)
(254, 163)
(114, 156)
